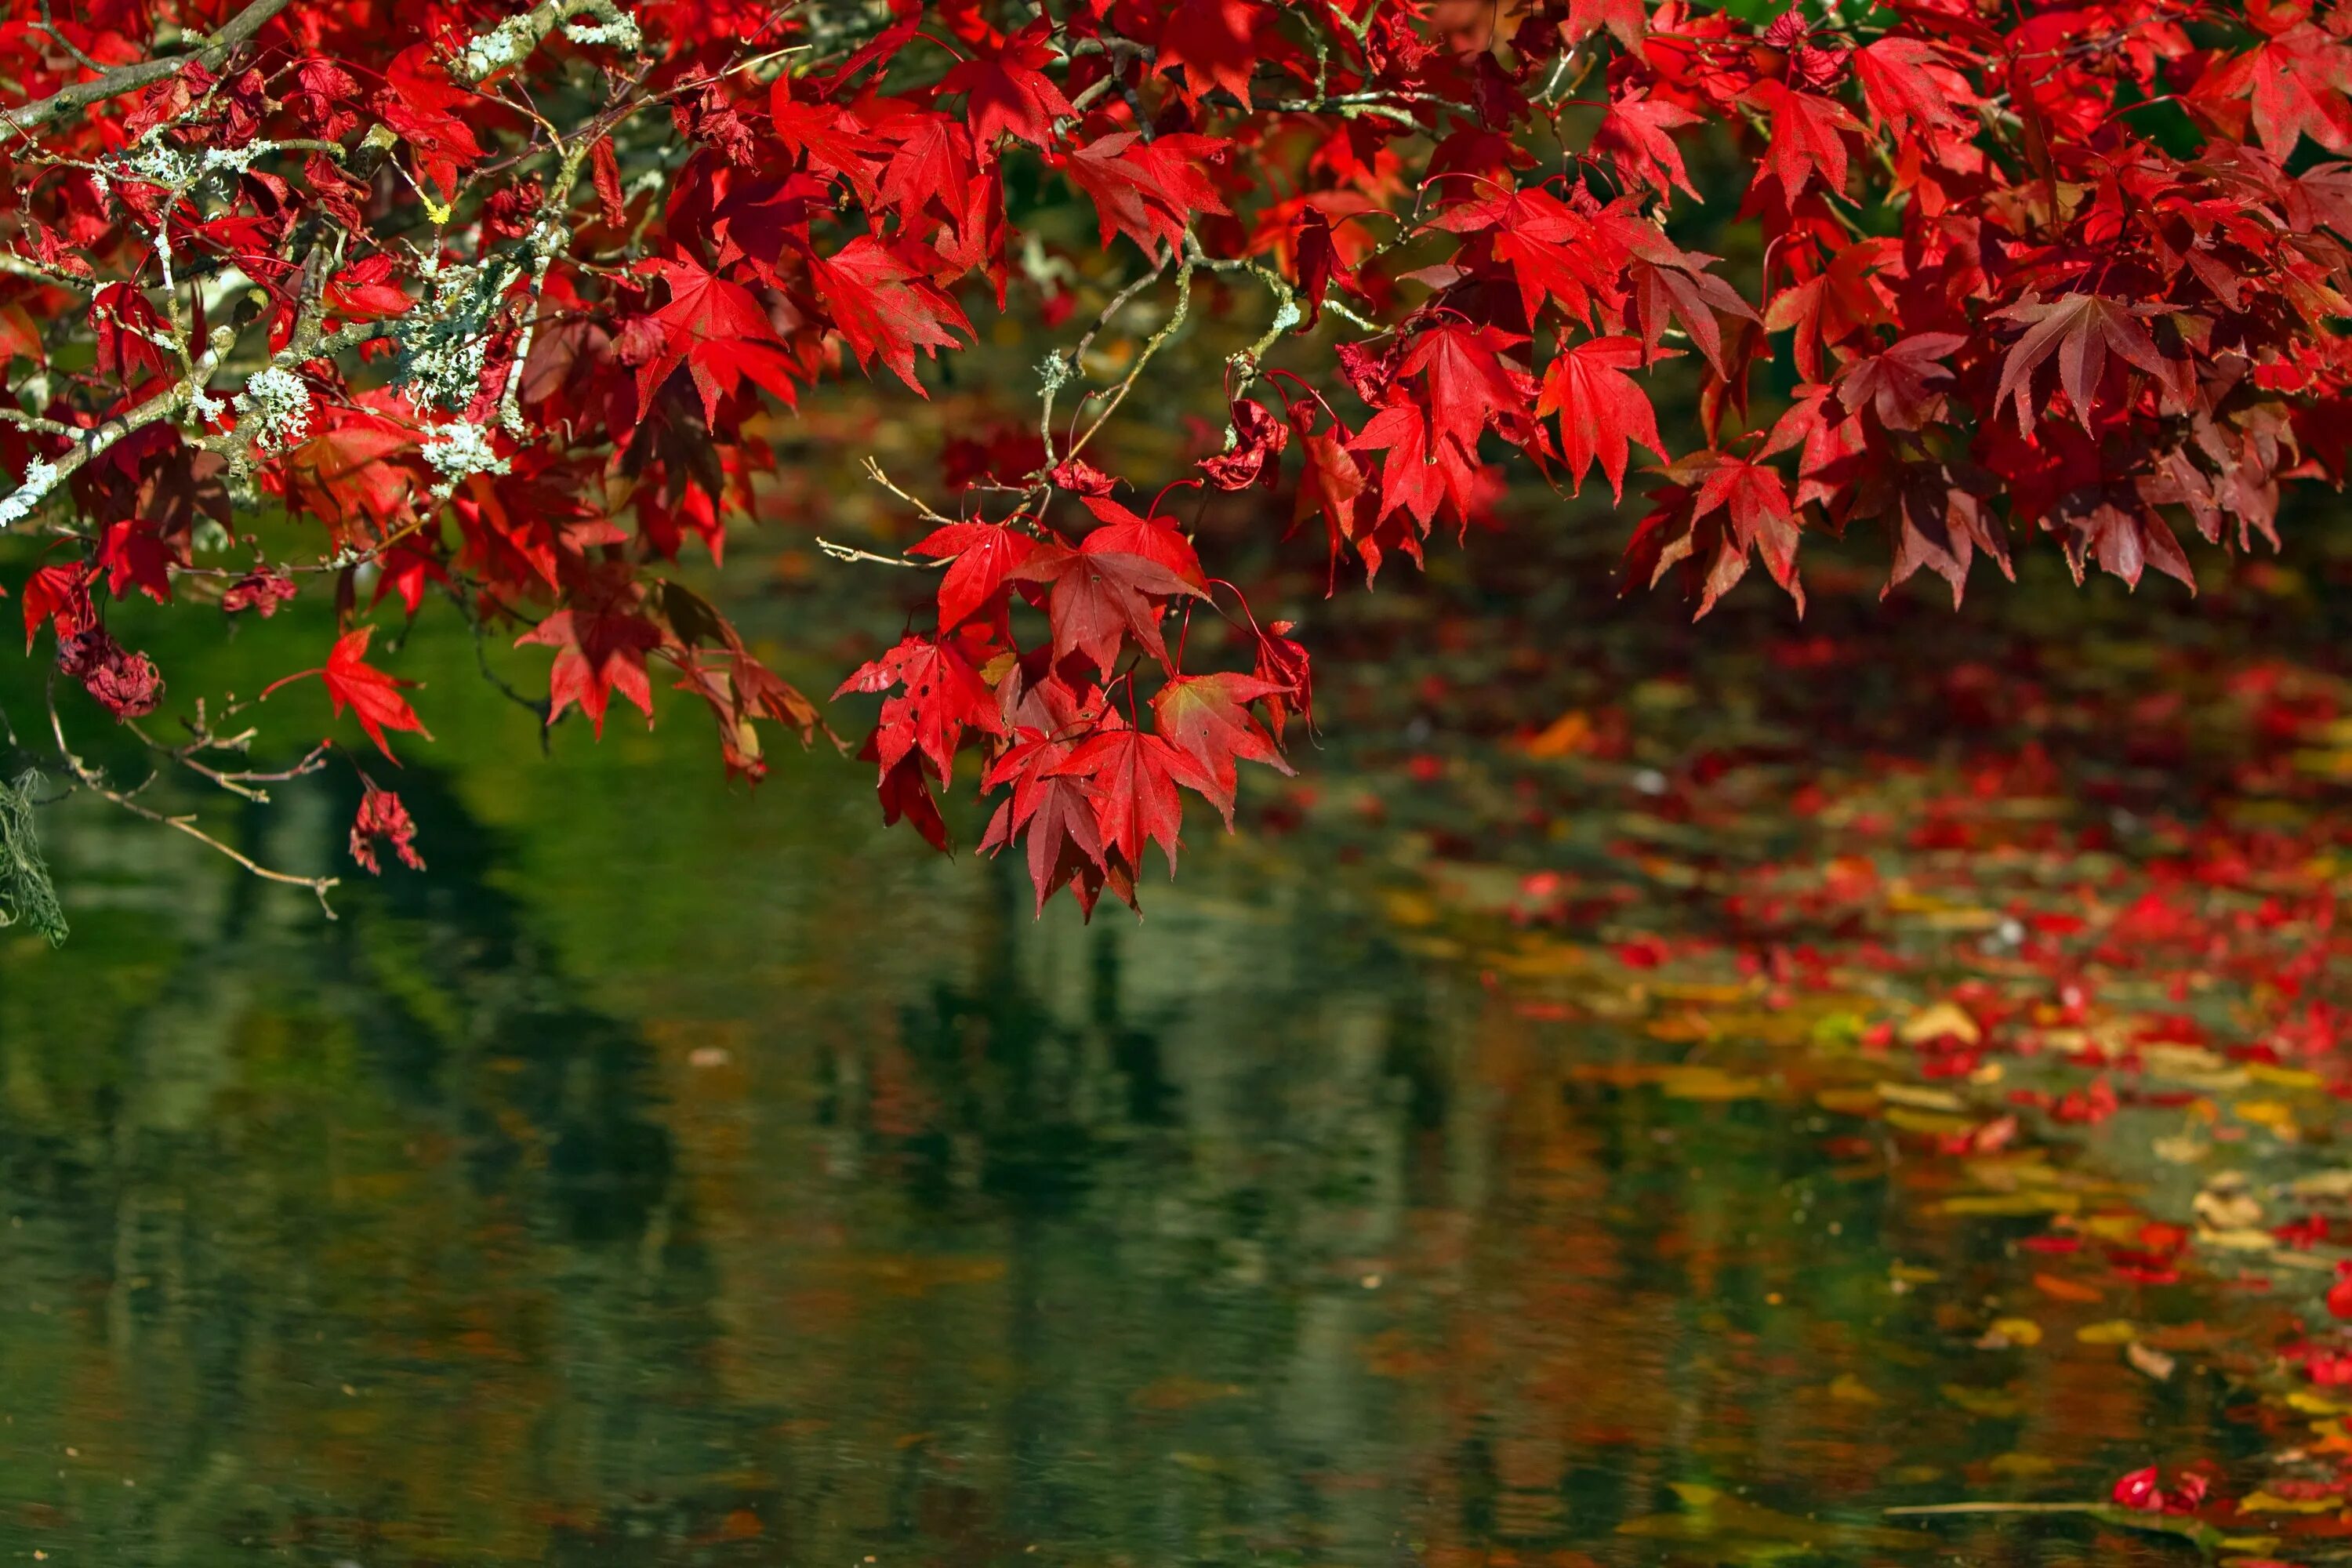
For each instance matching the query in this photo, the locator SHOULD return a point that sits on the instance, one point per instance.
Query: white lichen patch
(40, 477)
(459, 450)
(276, 403)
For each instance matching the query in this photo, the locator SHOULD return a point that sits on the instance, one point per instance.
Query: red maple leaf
(1808, 139)
(1600, 411)
(1761, 514)
(1901, 384)
(1907, 83)
(943, 697)
(1217, 43)
(1637, 131)
(1627, 20)
(1007, 92)
(2081, 328)
(1419, 475)
(2294, 83)
(1147, 190)
(981, 556)
(1114, 586)
(600, 649)
(1135, 774)
(885, 308)
(717, 329)
(59, 595)
(417, 101)
(1208, 715)
(373, 696)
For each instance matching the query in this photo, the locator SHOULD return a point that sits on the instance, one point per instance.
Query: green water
(676, 1176)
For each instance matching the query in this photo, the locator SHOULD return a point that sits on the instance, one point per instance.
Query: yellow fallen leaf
(1996, 1403)
(1939, 1019)
(1848, 1101)
(2020, 1467)
(2315, 1404)
(2114, 1331)
(1708, 1083)
(1930, 1123)
(1919, 1099)
(2285, 1078)
(1854, 1391)
(2044, 1200)
(2018, 1330)
(2269, 1502)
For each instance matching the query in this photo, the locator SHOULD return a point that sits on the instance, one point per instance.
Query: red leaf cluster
(2071, 272)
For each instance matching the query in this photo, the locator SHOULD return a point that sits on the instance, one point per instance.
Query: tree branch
(211, 55)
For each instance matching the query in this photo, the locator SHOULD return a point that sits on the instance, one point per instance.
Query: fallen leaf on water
(2270, 1502)
(1995, 1403)
(2020, 1467)
(1940, 1020)
(2149, 1359)
(2114, 1331)
(2060, 1289)
(1854, 1391)
(1920, 1098)
(2044, 1200)
(2012, 1332)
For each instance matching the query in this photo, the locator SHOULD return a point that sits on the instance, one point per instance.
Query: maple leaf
(906, 792)
(1115, 584)
(981, 556)
(1717, 509)
(1134, 775)
(832, 138)
(1637, 133)
(1149, 191)
(1673, 288)
(1760, 515)
(1283, 662)
(1808, 140)
(885, 308)
(1626, 20)
(1007, 92)
(1215, 43)
(135, 552)
(1600, 411)
(719, 330)
(599, 649)
(944, 696)
(1208, 716)
(59, 594)
(373, 696)
(1470, 383)
(417, 101)
(2081, 329)
(2294, 83)
(1056, 814)
(1421, 475)
(1834, 304)
(1908, 85)
(1552, 250)
(1943, 518)
(1900, 382)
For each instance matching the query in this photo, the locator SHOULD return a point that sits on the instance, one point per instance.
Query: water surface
(671, 1177)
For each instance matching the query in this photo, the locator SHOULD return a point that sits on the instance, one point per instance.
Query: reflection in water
(496, 1225)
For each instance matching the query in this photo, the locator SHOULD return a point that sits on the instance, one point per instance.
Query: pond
(674, 1177)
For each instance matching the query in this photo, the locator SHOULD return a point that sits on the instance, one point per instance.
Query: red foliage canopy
(488, 297)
